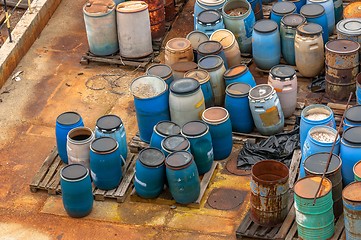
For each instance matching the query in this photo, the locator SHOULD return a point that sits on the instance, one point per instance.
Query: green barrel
(314, 222)
(357, 171)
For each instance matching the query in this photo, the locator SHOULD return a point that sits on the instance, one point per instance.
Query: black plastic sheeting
(277, 147)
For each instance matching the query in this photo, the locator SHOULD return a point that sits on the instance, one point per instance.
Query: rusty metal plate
(231, 167)
(226, 199)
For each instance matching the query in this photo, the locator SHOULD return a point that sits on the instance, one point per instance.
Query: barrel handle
(122, 159)
(313, 46)
(259, 109)
(287, 87)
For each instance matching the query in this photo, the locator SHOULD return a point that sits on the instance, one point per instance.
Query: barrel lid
(209, 16)
(103, 144)
(209, 48)
(352, 135)
(283, 8)
(194, 128)
(168, 128)
(282, 72)
(178, 44)
(99, 7)
(238, 89)
(224, 36)
(293, 19)
(261, 91)
(316, 163)
(357, 169)
(236, 71)
(184, 66)
(352, 192)
(200, 75)
(210, 62)
(265, 26)
(309, 29)
(68, 118)
(351, 26)
(74, 172)
(215, 115)
(184, 86)
(352, 10)
(178, 159)
(308, 186)
(312, 10)
(160, 70)
(146, 87)
(211, 2)
(109, 122)
(175, 143)
(151, 157)
(353, 114)
(132, 6)
(196, 38)
(342, 46)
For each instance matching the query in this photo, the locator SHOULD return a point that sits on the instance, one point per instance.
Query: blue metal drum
(203, 77)
(266, 44)
(112, 126)
(237, 104)
(338, 9)
(220, 127)
(151, 99)
(175, 143)
(319, 139)
(315, 13)
(105, 163)
(211, 48)
(315, 115)
(350, 152)
(240, 23)
(201, 5)
(76, 190)
(257, 8)
(239, 74)
(289, 24)
(183, 177)
(266, 109)
(149, 176)
(209, 21)
(163, 71)
(298, 3)
(280, 9)
(197, 133)
(352, 117)
(162, 130)
(352, 210)
(64, 123)
(330, 13)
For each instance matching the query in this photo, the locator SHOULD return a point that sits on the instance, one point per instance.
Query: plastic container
(209, 21)
(315, 13)
(330, 12)
(178, 50)
(203, 77)
(163, 71)
(162, 130)
(280, 9)
(176, 143)
(239, 74)
(352, 117)
(201, 5)
(211, 48)
(196, 38)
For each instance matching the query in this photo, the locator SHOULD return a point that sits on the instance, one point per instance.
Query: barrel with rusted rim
(352, 10)
(316, 164)
(157, 17)
(357, 171)
(351, 196)
(269, 192)
(314, 221)
(342, 66)
(170, 11)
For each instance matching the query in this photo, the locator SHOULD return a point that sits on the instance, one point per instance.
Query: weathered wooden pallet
(48, 179)
(165, 198)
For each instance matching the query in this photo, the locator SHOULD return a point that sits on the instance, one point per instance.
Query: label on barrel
(270, 117)
(210, 154)
(140, 182)
(200, 103)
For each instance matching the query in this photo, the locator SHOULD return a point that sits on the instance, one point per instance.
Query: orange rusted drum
(157, 18)
(178, 50)
(269, 192)
(170, 11)
(353, 10)
(352, 210)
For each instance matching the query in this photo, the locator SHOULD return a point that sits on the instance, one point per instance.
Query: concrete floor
(52, 82)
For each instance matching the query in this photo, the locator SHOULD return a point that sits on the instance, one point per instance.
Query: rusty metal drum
(170, 11)
(157, 17)
(351, 196)
(269, 192)
(178, 50)
(342, 67)
(352, 10)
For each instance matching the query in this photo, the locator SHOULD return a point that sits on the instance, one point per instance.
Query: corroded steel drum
(269, 192)
(157, 17)
(352, 210)
(352, 10)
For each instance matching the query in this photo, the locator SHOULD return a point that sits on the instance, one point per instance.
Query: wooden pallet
(48, 179)
(165, 198)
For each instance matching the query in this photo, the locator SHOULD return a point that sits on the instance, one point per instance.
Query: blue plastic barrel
(330, 13)
(315, 13)
(352, 117)
(201, 5)
(149, 177)
(112, 126)
(163, 71)
(319, 139)
(76, 190)
(175, 143)
(203, 77)
(64, 123)
(257, 8)
(237, 104)
(280, 9)
(196, 38)
(209, 21)
(105, 163)
(315, 115)
(211, 48)
(266, 44)
(350, 152)
(197, 133)
(298, 3)
(220, 127)
(182, 176)
(352, 210)
(162, 130)
(239, 74)
(151, 99)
